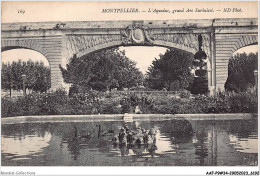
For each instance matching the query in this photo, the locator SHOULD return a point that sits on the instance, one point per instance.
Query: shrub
(85, 103)
(131, 100)
(243, 102)
(94, 102)
(8, 107)
(111, 106)
(184, 94)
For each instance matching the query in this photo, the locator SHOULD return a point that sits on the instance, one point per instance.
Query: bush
(229, 103)
(93, 102)
(37, 104)
(85, 103)
(111, 106)
(243, 102)
(8, 107)
(184, 94)
(131, 100)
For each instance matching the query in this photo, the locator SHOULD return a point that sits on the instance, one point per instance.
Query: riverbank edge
(119, 117)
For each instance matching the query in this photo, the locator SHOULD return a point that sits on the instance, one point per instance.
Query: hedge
(93, 102)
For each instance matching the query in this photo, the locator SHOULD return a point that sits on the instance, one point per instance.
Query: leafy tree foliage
(105, 69)
(174, 65)
(37, 76)
(6, 77)
(241, 72)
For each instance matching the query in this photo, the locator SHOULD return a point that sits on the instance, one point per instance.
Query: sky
(142, 55)
(145, 57)
(92, 11)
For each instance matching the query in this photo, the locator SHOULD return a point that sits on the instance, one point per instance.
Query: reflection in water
(200, 146)
(137, 150)
(245, 145)
(178, 142)
(28, 145)
(164, 145)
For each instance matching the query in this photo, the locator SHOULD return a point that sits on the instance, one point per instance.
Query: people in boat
(140, 136)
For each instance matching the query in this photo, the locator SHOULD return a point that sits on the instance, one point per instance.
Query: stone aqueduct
(59, 41)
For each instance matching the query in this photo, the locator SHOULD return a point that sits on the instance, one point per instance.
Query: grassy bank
(59, 103)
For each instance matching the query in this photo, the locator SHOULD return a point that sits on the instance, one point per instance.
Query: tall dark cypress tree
(200, 83)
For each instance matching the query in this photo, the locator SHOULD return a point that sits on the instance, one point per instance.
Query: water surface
(178, 143)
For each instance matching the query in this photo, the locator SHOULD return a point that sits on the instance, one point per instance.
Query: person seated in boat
(150, 139)
(145, 135)
(126, 128)
(122, 136)
(152, 135)
(152, 132)
(139, 131)
(139, 136)
(130, 137)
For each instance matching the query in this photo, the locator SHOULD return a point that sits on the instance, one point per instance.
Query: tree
(37, 76)
(173, 66)
(6, 77)
(41, 77)
(78, 71)
(126, 72)
(241, 72)
(104, 69)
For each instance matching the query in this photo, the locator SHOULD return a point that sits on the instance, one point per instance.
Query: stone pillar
(53, 52)
(67, 53)
(56, 77)
(223, 52)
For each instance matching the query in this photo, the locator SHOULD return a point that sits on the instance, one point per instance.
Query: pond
(178, 143)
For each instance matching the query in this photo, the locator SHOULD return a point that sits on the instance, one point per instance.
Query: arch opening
(143, 56)
(10, 54)
(24, 67)
(149, 51)
(241, 69)
(252, 48)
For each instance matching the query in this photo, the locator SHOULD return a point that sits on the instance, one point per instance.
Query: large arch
(84, 44)
(27, 44)
(115, 44)
(50, 48)
(81, 45)
(226, 45)
(21, 55)
(11, 54)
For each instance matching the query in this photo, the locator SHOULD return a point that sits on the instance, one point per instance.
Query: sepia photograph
(136, 84)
